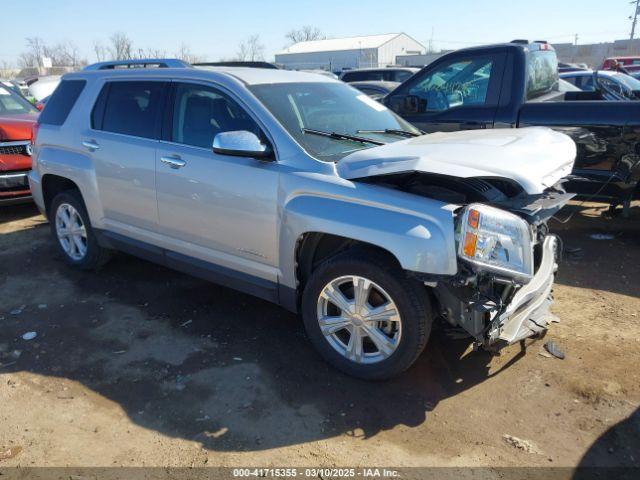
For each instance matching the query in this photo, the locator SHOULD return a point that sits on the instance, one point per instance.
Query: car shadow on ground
(615, 454)
(602, 251)
(198, 361)
(11, 213)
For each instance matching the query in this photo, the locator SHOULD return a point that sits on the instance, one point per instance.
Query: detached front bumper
(528, 312)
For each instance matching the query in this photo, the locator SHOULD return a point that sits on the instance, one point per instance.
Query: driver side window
(201, 112)
(462, 82)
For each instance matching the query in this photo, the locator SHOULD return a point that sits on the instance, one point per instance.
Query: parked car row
(608, 84)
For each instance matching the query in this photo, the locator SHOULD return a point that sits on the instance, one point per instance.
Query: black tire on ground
(408, 294)
(95, 256)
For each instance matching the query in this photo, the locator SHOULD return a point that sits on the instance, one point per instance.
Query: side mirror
(240, 143)
(406, 104)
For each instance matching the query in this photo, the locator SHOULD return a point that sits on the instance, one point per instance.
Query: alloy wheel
(71, 231)
(359, 319)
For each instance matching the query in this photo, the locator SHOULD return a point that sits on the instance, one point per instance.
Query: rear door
(124, 136)
(458, 93)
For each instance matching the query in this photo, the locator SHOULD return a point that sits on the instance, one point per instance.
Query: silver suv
(301, 190)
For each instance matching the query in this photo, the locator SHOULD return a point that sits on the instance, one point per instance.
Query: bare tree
(184, 53)
(306, 33)
(32, 57)
(250, 49)
(100, 51)
(121, 47)
(6, 69)
(65, 54)
(62, 54)
(142, 53)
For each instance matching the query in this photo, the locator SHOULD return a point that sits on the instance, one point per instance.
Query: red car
(17, 118)
(630, 64)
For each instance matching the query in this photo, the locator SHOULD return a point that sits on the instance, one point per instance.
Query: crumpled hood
(535, 157)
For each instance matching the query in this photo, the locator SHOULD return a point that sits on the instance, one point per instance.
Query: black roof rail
(140, 63)
(520, 41)
(540, 41)
(238, 63)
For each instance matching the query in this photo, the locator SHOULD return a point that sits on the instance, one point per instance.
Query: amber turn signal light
(469, 247)
(474, 218)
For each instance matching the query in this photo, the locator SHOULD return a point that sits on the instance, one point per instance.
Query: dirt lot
(139, 365)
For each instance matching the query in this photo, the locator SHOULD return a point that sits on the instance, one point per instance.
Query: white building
(337, 54)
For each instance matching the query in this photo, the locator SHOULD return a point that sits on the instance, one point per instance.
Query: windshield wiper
(393, 131)
(342, 136)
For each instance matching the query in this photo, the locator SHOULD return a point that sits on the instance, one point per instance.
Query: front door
(216, 211)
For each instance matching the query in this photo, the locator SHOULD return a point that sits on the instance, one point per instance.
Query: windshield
(13, 104)
(332, 108)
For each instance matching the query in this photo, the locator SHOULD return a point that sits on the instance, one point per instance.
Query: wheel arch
(314, 228)
(312, 248)
(52, 185)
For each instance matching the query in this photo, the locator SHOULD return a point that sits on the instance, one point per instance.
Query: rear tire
(73, 234)
(368, 288)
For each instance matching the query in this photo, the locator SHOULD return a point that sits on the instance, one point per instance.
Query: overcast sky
(213, 28)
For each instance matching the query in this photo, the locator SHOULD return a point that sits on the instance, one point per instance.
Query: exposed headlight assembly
(497, 241)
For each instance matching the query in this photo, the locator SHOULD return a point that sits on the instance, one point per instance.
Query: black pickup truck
(516, 85)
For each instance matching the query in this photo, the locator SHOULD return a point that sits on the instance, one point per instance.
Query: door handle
(90, 144)
(173, 162)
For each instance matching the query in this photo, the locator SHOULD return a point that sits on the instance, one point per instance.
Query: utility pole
(431, 41)
(575, 41)
(634, 17)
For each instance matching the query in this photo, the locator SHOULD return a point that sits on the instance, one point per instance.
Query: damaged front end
(508, 261)
(507, 258)
(498, 310)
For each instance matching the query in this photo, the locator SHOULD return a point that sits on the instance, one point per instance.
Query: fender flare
(79, 169)
(420, 242)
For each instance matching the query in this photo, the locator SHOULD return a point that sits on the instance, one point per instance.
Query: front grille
(19, 149)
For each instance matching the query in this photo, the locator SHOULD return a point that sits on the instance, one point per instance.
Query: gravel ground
(140, 365)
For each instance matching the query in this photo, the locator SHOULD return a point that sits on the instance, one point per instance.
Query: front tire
(73, 234)
(365, 316)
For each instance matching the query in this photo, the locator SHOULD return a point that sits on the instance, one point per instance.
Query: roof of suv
(383, 69)
(247, 75)
(255, 76)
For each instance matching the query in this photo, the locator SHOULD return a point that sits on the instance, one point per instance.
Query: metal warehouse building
(337, 54)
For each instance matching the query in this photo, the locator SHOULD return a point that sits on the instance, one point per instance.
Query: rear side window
(401, 76)
(363, 76)
(61, 102)
(542, 73)
(130, 108)
(370, 91)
